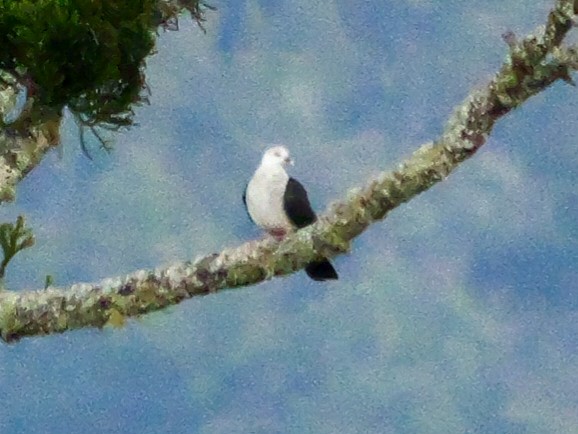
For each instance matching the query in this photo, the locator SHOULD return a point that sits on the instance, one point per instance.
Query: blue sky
(458, 313)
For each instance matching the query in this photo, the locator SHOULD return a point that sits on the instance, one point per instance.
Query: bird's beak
(289, 161)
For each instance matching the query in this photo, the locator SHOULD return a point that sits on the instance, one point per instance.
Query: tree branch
(533, 64)
(23, 143)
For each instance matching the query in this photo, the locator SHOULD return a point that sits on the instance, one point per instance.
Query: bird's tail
(321, 270)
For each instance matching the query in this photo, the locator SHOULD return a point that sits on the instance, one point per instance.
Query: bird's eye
(277, 154)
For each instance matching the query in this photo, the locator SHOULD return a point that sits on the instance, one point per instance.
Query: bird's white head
(277, 156)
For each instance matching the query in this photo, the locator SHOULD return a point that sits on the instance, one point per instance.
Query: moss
(86, 54)
(7, 193)
(8, 316)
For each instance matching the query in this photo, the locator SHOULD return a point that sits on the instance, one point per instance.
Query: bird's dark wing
(300, 213)
(296, 204)
(245, 203)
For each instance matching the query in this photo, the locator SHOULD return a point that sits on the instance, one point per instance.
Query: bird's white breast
(264, 197)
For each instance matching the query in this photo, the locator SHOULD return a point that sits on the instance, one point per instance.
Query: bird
(279, 204)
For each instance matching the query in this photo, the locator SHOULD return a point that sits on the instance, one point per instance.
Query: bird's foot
(278, 233)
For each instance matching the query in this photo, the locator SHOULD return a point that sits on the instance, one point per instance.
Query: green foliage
(48, 281)
(86, 54)
(14, 238)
